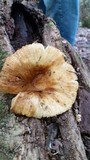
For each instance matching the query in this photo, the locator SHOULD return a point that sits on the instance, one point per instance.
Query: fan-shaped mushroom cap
(45, 84)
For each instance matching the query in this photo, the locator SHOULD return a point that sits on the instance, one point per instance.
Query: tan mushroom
(45, 84)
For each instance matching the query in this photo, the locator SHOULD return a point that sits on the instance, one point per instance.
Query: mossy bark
(56, 138)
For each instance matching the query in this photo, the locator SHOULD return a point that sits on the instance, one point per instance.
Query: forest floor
(82, 45)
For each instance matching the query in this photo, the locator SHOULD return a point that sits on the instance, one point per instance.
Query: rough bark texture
(56, 138)
(68, 127)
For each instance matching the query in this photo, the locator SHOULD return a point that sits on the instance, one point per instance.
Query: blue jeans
(66, 15)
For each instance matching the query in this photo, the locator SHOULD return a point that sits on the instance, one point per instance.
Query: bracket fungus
(44, 83)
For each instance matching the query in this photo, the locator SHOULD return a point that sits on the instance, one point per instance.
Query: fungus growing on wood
(45, 84)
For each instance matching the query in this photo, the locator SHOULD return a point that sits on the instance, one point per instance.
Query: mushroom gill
(45, 84)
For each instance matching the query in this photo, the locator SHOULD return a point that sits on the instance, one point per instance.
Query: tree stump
(22, 138)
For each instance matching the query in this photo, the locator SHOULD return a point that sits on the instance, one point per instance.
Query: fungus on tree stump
(45, 84)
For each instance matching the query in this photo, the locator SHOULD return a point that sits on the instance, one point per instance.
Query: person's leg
(42, 6)
(66, 15)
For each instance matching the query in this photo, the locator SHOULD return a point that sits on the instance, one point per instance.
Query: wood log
(56, 138)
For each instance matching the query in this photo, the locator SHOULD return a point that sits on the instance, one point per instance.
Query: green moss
(2, 106)
(9, 137)
(3, 55)
(5, 103)
(3, 109)
(5, 154)
(51, 24)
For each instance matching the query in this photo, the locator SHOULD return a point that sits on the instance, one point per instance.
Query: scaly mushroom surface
(44, 83)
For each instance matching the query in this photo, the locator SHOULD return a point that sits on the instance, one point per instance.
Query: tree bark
(56, 138)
